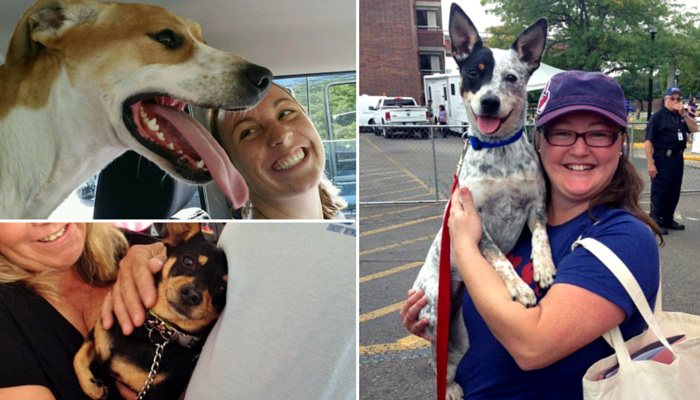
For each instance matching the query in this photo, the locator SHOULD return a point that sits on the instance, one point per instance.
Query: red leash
(443, 309)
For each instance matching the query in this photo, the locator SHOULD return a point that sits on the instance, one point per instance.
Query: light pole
(652, 31)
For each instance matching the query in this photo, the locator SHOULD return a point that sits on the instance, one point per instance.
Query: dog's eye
(511, 78)
(187, 261)
(473, 73)
(168, 39)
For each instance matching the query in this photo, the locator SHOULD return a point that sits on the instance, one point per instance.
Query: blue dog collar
(477, 144)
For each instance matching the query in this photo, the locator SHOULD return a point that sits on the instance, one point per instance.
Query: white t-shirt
(289, 328)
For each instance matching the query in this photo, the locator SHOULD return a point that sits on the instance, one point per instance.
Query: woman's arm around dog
(535, 337)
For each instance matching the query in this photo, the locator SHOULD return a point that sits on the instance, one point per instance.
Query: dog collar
(477, 144)
(168, 332)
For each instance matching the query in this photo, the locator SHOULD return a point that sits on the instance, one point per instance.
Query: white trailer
(443, 89)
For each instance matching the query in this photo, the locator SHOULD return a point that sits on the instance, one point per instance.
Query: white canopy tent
(541, 76)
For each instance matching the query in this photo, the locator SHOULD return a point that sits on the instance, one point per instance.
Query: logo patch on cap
(544, 98)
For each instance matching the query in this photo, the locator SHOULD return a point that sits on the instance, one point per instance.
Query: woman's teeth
(287, 163)
(579, 167)
(55, 236)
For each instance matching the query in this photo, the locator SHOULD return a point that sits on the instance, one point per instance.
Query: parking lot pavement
(394, 241)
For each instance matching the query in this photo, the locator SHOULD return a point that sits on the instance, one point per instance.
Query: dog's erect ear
(530, 44)
(177, 233)
(463, 34)
(45, 22)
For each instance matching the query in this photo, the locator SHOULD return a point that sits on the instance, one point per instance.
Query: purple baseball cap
(673, 90)
(576, 91)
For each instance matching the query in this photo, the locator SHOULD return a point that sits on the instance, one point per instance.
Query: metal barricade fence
(407, 164)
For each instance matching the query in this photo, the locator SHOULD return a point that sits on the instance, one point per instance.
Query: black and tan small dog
(191, 294)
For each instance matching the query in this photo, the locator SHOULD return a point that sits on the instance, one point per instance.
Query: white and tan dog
(85, 81)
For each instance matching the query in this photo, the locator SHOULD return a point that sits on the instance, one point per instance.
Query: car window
(398, 103)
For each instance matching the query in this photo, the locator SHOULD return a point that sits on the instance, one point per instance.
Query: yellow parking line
(390, 271)
(395, 245)
(381, 312)
(405, 224)
(431, 193)
(364, 219)
(368, 187)
(410, 342)
(373, 196)
(393, 171)
(420, 182)
(380, 179)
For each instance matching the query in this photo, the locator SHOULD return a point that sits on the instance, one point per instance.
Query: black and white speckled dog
(500, 168)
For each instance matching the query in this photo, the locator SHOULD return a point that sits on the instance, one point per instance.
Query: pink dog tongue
(224, 173)
(488, 125)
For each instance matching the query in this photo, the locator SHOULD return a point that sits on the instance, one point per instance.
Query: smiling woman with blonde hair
(53, 280)
(278, 152)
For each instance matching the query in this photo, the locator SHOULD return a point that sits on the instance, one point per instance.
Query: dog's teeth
(200, 164)
(179, 152)
(206, 169)
(152, 125)
(171, 146)
(160, 136)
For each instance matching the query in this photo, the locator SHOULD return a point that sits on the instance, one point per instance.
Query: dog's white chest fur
(49, 158)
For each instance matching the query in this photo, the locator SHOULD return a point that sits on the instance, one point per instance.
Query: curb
(686, 156)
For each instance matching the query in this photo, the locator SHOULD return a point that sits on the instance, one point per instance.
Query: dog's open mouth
(488, 124)
(161, 125)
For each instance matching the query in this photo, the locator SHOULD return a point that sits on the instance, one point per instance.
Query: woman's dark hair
(623, 192)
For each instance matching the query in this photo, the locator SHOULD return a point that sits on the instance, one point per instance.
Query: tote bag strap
(618, 268)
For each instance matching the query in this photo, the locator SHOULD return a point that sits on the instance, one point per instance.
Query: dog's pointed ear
(530, 44)
(463, 34)
(177, 233)
(44, 23)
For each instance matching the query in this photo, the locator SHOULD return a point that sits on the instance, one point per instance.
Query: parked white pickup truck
(397, 111)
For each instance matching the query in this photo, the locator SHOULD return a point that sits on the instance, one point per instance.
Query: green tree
(604, 35)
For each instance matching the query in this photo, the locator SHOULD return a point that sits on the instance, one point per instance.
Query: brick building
(400, 42)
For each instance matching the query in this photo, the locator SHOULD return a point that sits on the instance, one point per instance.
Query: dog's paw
(544, 271)
(521, 292)
(453, 392)
(97, 390)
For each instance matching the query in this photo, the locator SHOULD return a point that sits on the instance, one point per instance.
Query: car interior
(309, 45)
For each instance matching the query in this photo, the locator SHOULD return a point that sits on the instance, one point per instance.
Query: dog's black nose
(490, 104)
(260, 77)
(190, 295)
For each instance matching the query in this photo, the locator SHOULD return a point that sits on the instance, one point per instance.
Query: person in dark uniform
(666, 138)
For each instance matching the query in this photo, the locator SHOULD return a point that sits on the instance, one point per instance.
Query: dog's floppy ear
(530, 44)
(177, 233)
(44, 22)
(463, 34)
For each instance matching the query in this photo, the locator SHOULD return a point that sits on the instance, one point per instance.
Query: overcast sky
(475, 11)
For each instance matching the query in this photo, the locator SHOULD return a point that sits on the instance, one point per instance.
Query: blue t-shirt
(487, 370)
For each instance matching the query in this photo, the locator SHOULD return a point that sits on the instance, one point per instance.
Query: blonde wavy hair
(97, 265)
(331, 202)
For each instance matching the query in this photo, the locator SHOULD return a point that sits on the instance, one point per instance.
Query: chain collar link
(168, 334)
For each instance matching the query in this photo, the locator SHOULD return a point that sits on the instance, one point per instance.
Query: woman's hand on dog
(464, 223)
(409, 313)
(135, 290)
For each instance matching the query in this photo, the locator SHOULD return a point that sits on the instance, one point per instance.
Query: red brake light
(427, 115)
(387, 116)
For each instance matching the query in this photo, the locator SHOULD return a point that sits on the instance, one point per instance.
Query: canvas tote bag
(642, 380)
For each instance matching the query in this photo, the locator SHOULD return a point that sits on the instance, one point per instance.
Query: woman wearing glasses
(593, 191)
